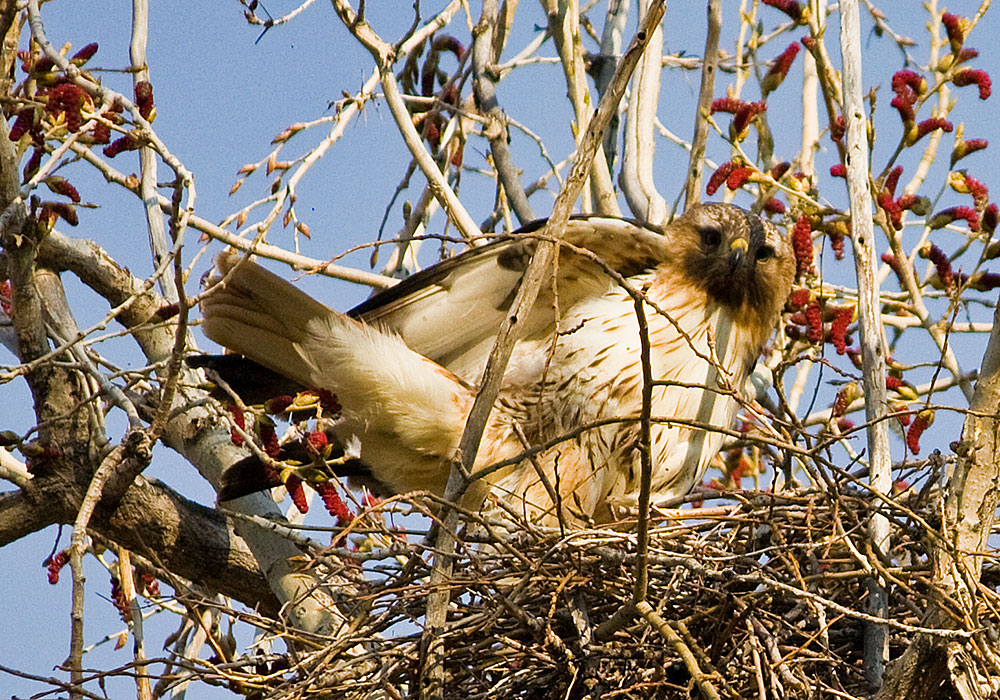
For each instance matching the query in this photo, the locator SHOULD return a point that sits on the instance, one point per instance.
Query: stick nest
(762, 596)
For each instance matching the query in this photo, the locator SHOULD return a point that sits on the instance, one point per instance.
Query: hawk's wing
(451, 311)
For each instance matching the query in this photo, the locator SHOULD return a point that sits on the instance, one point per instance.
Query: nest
(756, 595)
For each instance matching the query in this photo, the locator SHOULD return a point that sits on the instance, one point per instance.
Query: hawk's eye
(711, 237)
(765, 252)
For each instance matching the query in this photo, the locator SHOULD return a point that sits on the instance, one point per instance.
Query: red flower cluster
(941, 262)
(334, 504)
(971, 186)
(774, 206)
(790, 7)
(779, 69)
(144, 98)
(920, 423)
(84, 54)
(61, 185)
(68, 99)
(294, 487)
(54, 564)
(802, 245)
(743, 113)
(240, 420)
(5, 296)
(977, 77)
(964, 148)
(837, 244)
(955, 26)
(908, 86)
(842, 318)
(120, 600)
(946, 216)
(125, 143)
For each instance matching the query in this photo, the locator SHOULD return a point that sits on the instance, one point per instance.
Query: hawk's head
(741, 261)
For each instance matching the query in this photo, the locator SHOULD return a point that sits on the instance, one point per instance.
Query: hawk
(404, 364)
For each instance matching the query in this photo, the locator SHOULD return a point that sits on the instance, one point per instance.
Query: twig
(696, 164)
(872, 343)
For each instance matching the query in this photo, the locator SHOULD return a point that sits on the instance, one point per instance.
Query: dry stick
(564, 26)
(432, 682)
(701, 678)
(147, 155)
(872, 350)
(636, 177)
(645, 460)
(484, 87)
(125, 580)
(611, 45)
(692, 189)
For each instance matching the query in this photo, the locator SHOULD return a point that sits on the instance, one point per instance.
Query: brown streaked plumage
(404, 370)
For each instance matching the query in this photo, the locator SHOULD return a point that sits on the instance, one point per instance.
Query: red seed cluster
(908, 86)
(240, 420)
(317, 442)
(980, 192)
(982, 281)
(61, 185)
(774, 206)
(802, 245)
(269, 438)
(814, 322)
(125, 143)
(147, 585)
(144, 98)
(798, 298)
(333, 503)
(964, 148)
(68, 99)
(327, 399)
(49, 210)
(720, 175)
(780, 169)
(920, 423)
(946, 216)
(892, 180)
(743, 113)
(120, 600)
(838, 128)
(738, 177)
(294, 486)
(941, 262)
(54, 564)
(838, 328)
(989, 220)
(932, 124)
(955, 27)
(837, 243)
(790, 7)
(24, 123)
(980, 78)
(5, 296)
(84, 54)
(278, 404)
(779, 69)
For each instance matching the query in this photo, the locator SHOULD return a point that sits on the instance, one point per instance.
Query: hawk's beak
(737, 252)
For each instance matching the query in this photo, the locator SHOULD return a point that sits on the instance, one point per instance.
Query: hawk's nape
(403, 364)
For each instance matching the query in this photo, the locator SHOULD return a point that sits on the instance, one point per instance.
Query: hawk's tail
(410, 409)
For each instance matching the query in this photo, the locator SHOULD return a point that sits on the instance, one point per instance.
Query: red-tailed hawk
(405, 363)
